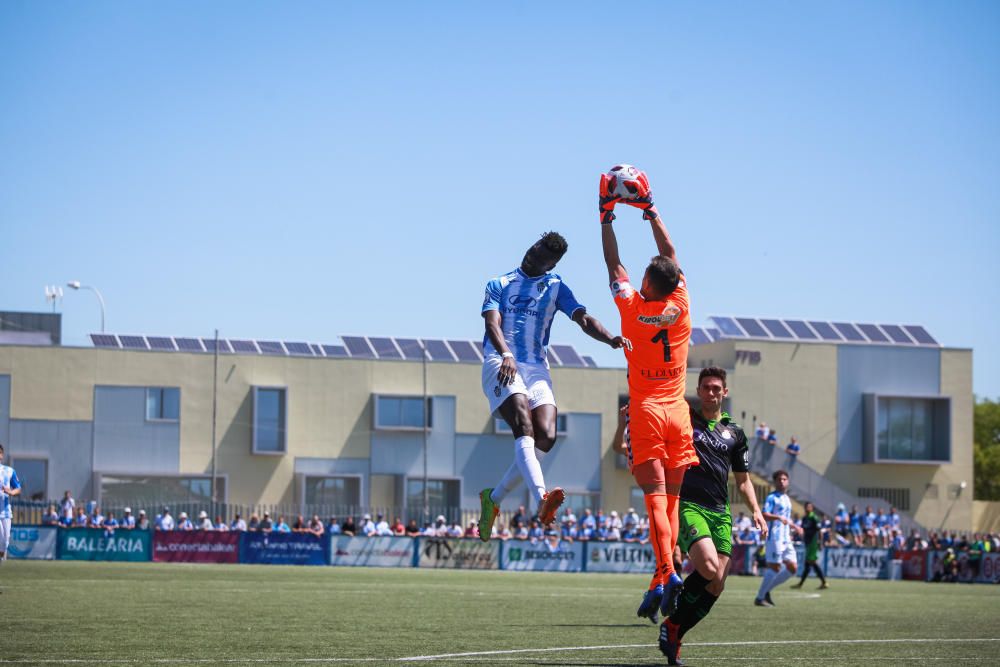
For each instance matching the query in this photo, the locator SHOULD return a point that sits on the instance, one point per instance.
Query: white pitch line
(473, 654)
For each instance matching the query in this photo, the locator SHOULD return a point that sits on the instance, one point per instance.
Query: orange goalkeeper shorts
(658, 430)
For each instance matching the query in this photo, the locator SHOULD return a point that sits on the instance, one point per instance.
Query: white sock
(765, 585)
(781, 577)
(510, 480)
(531, 470)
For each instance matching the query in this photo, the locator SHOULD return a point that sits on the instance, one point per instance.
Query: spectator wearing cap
(615, 522)
(631, 519)
(128, 521)
(220, 524)
(266, 525)
(204, 523)
(183, 522)
(51, 517)
(441, 526)
(164, 521)
(282, 526)
(238, 523)
(367, 526)
(142, 523)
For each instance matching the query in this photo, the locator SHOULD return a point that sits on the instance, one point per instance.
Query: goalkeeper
(705, 520)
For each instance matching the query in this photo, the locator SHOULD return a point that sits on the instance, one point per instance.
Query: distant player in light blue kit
(10, 486)
(778, 549)
(519, 308)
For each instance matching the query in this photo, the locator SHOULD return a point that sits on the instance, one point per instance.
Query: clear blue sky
(305, 170)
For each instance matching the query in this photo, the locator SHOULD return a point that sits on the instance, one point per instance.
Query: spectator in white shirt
(382, 526)
(220, 524)
(183, 522)
(238, 523)
(67, 505)
(204, 523)
(164, 521)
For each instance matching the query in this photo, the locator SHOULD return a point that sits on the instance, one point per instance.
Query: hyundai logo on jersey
(522, 300)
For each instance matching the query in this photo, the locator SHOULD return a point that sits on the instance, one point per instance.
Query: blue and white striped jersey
(527, 306)
(8, 478)
(778, 504)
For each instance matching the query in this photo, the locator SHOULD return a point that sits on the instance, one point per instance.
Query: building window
(163, 404)
(401, 413)
(150, 493)
(906, 430)
(898, 498)
(442, 498)
(269, 422)
(34, 477)
(338, 493)
(500, 427)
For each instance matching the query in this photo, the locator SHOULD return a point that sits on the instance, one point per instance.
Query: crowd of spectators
(846, 529)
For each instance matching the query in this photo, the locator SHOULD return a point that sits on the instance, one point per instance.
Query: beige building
(342, 426)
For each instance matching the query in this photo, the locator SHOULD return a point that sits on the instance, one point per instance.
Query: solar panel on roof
(800, 329)
(104, 340)
(189, 345)
(133, 342)
(728, 327)
(410, 348)
(849, 332)
(920, 334)
(896, 333)
(479, 346)
(752, 327)
(825, 330)
(243, 346)
(358, 347)
(699, 336)
(334, 350)
(299, 349)
(551, 356)
(210, 345)
(777, 329)
(713, 333)
(385, 348)
(874, 334)
(589, 361)
(568, 355)
(438, 351)
(317, 350)
(270, 347)
(161, 343)
(464, 350)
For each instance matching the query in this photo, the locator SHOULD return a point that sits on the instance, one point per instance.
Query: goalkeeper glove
(606, 201)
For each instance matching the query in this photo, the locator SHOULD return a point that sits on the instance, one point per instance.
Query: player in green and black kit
(706, 525)
(810, 535)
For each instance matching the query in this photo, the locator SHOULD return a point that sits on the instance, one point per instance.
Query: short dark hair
(1, 448)
(712, 372)
(778, 473)
(555, 243)
(664, 274)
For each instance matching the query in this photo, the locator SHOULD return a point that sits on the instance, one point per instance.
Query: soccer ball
(623, 181)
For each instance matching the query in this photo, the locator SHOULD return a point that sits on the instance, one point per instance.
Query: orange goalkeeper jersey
(659, 332)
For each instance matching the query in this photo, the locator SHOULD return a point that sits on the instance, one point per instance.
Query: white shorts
(4, 534)
(532, 380)
(780, 552)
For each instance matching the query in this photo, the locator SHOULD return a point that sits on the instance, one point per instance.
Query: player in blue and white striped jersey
(10, 486)
(778, 549)
(519, 309)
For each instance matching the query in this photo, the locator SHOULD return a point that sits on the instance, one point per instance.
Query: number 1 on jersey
(662, 337)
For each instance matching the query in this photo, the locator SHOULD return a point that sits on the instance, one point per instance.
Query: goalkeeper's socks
(660, 534)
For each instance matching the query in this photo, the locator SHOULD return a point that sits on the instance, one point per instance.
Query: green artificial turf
(154, 613)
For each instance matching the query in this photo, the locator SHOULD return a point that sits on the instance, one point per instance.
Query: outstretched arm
(593, 328)
(664, 246)
(610, 242)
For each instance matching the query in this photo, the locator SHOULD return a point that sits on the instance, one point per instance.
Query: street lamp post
(75, 284)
